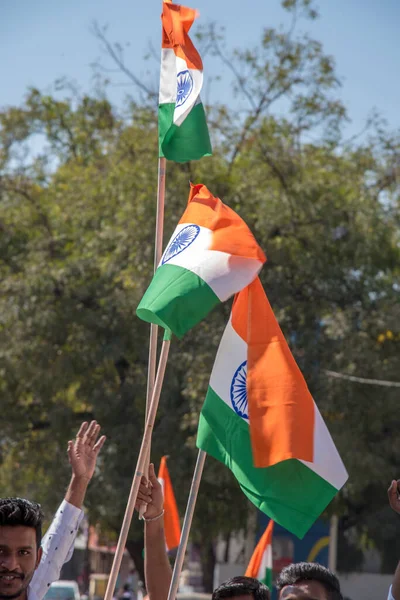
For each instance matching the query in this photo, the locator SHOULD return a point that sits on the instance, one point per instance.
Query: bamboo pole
(138, 472)
(158, 244)
(198, 472)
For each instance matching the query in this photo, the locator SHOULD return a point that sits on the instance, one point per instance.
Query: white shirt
(57, 546)
(390, 596)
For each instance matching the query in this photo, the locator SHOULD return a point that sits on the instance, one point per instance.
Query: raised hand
(394, 496)
(84, 450)
(151, 495)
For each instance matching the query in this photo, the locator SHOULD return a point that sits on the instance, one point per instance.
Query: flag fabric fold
(261, 421)
(211, 255)
(182, 127)
(171, 516)
(261, 563)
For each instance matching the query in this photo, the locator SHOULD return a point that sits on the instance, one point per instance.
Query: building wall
(365, 586)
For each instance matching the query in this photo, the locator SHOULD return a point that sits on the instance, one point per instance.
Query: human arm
(158, 571)
(58, 543)
(394, 501)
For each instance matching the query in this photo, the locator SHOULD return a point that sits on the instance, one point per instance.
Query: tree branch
(363, 380)
(118, 59)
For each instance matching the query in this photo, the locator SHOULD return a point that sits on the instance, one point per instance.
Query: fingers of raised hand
(145, 491)
(100, 443)
(82, 430)
(152, 476)
(144, 498)
(91, 434)
(144, 495)
(393, 493)
(70, 449)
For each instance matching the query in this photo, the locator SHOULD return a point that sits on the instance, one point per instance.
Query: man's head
(20, 539)
(308, 581)
(243, 588)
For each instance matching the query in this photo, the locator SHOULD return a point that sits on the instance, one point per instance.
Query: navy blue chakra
(184, 87)
(181, 241)
(239, 391)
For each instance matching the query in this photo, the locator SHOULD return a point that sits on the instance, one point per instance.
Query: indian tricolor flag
(260, 565)
(212, 255)
(171, 516)
(260, 419)
(182, 127)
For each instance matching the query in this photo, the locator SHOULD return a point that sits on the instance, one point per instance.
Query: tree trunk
(227, 547)
(135, 549)
(251, 529)
(207, 556)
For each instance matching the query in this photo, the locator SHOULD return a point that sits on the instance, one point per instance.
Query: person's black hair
(241, 586)
(304, 571)
(18, 511)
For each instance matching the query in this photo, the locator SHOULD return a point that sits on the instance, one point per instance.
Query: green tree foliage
(76, 250)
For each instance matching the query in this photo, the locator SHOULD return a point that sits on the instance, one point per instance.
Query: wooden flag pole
(138, 472)
(158, 246)
(198, 472)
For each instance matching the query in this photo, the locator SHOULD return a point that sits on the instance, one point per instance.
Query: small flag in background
(182, 127)
(212, 255)
(259, 413)
(171, 516)
(260, 565)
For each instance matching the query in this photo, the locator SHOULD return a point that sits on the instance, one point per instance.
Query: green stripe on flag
(177, 299)
(190, 141)
(288, 492)
(267, 579)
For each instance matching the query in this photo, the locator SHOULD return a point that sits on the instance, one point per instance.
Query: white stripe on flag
(167, 94)
(327, 462)
(182, 111)
(232, 352)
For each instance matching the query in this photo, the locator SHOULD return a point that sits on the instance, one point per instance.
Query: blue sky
(42, 41)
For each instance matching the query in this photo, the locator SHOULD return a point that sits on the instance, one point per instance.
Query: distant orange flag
(260, 565)
(171, 516)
